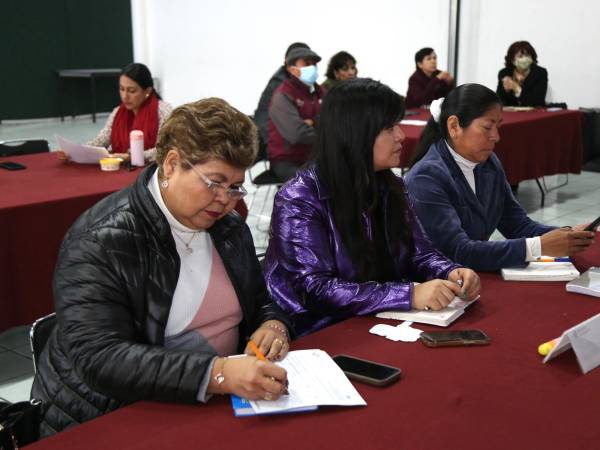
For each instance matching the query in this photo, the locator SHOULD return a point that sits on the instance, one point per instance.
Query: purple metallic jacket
(310, 274)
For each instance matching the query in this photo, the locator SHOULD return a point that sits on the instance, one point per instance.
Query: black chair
(17, 147)
(38, 336)
(266, 178)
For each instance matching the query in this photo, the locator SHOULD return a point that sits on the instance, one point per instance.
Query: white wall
(230, 48)
(565, 35)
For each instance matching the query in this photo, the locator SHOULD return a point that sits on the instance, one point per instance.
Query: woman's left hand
(123, 156)
(272, 338)
(471, 284)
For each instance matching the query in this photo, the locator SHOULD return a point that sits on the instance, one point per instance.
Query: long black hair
(140, 73)
(467, 102)
(353, 114)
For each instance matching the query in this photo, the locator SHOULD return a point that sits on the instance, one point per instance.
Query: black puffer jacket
(113, 286)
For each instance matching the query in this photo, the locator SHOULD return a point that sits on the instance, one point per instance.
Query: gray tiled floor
(577, 202)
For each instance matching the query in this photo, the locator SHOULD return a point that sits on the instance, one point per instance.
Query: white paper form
(79, 153)
(314, 379)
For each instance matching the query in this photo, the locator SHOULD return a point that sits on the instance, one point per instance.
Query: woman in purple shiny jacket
(344, 238)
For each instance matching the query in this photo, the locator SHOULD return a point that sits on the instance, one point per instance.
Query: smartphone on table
(592, 226)
(9, 165)
(454, 338)
(367, 371)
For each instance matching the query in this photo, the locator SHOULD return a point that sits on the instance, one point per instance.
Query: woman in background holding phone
(344, 238)
(461, 193)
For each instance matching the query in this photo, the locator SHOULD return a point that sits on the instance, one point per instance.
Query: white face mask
(309, 75)
(523, 62)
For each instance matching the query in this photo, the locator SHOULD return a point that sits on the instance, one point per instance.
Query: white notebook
(588, 283)
(441, 318)
(542, 271)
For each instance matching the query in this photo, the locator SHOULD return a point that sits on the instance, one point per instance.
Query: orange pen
(256, 350)
(260, 356)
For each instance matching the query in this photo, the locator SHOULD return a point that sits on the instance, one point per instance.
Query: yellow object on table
(110, 164)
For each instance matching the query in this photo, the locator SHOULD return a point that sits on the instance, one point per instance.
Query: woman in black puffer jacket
(156, 284)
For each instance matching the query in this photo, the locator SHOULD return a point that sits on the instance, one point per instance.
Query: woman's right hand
(507, 83)
(249, 378)
(565, 241)
(61, 155)
(435, 294)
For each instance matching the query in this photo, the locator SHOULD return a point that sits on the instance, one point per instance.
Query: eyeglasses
(233, 192)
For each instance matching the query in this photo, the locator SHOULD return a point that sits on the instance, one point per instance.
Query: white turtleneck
(195, 270)
(533, 246)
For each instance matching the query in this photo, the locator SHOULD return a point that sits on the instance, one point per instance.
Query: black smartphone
(367, 371)
(453, 338)
(9, 165)
(592, 226)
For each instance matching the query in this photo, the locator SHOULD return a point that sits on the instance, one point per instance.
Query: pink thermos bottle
(136, 147)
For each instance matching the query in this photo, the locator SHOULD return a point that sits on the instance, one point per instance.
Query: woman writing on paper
(461, 193)
(141, 108)
(344, 238)
(158, 283)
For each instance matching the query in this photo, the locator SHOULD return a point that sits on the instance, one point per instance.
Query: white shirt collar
(462, 162)
(154, 188)
(466, 167)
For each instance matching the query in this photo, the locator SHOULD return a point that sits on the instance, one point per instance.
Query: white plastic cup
(136, 147)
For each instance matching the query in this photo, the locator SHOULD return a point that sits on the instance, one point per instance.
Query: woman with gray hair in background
(158, 283)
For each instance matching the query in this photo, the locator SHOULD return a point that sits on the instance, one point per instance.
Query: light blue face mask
(309, 75)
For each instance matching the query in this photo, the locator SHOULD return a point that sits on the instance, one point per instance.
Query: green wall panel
(38, 37)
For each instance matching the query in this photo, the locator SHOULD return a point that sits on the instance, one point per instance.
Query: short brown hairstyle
(516, 47)
(208, 129)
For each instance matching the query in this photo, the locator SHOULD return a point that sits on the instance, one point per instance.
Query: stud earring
(164, 183)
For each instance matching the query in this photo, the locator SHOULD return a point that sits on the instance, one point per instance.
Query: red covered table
(532, 143)
(37, 207)
(491, 397)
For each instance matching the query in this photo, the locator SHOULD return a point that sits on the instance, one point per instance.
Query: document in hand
(588, 283)
(441, 318)
(542, 271)
(79, 153)
(314, 380)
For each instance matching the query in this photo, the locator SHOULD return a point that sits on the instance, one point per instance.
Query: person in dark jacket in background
(294, 113)
(522, 82)
(261, 114)
(427, 83)
(158, 283)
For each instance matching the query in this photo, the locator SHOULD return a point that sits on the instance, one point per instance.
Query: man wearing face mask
(294, 113)
(522, 82)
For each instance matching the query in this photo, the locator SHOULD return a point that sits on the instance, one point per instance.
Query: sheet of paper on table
(81, 153)
(314, 379)
(416, 122)
(441, 318)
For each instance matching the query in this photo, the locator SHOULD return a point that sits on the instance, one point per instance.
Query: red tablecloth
(491, 397)
(37, 207)
(532, 143)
